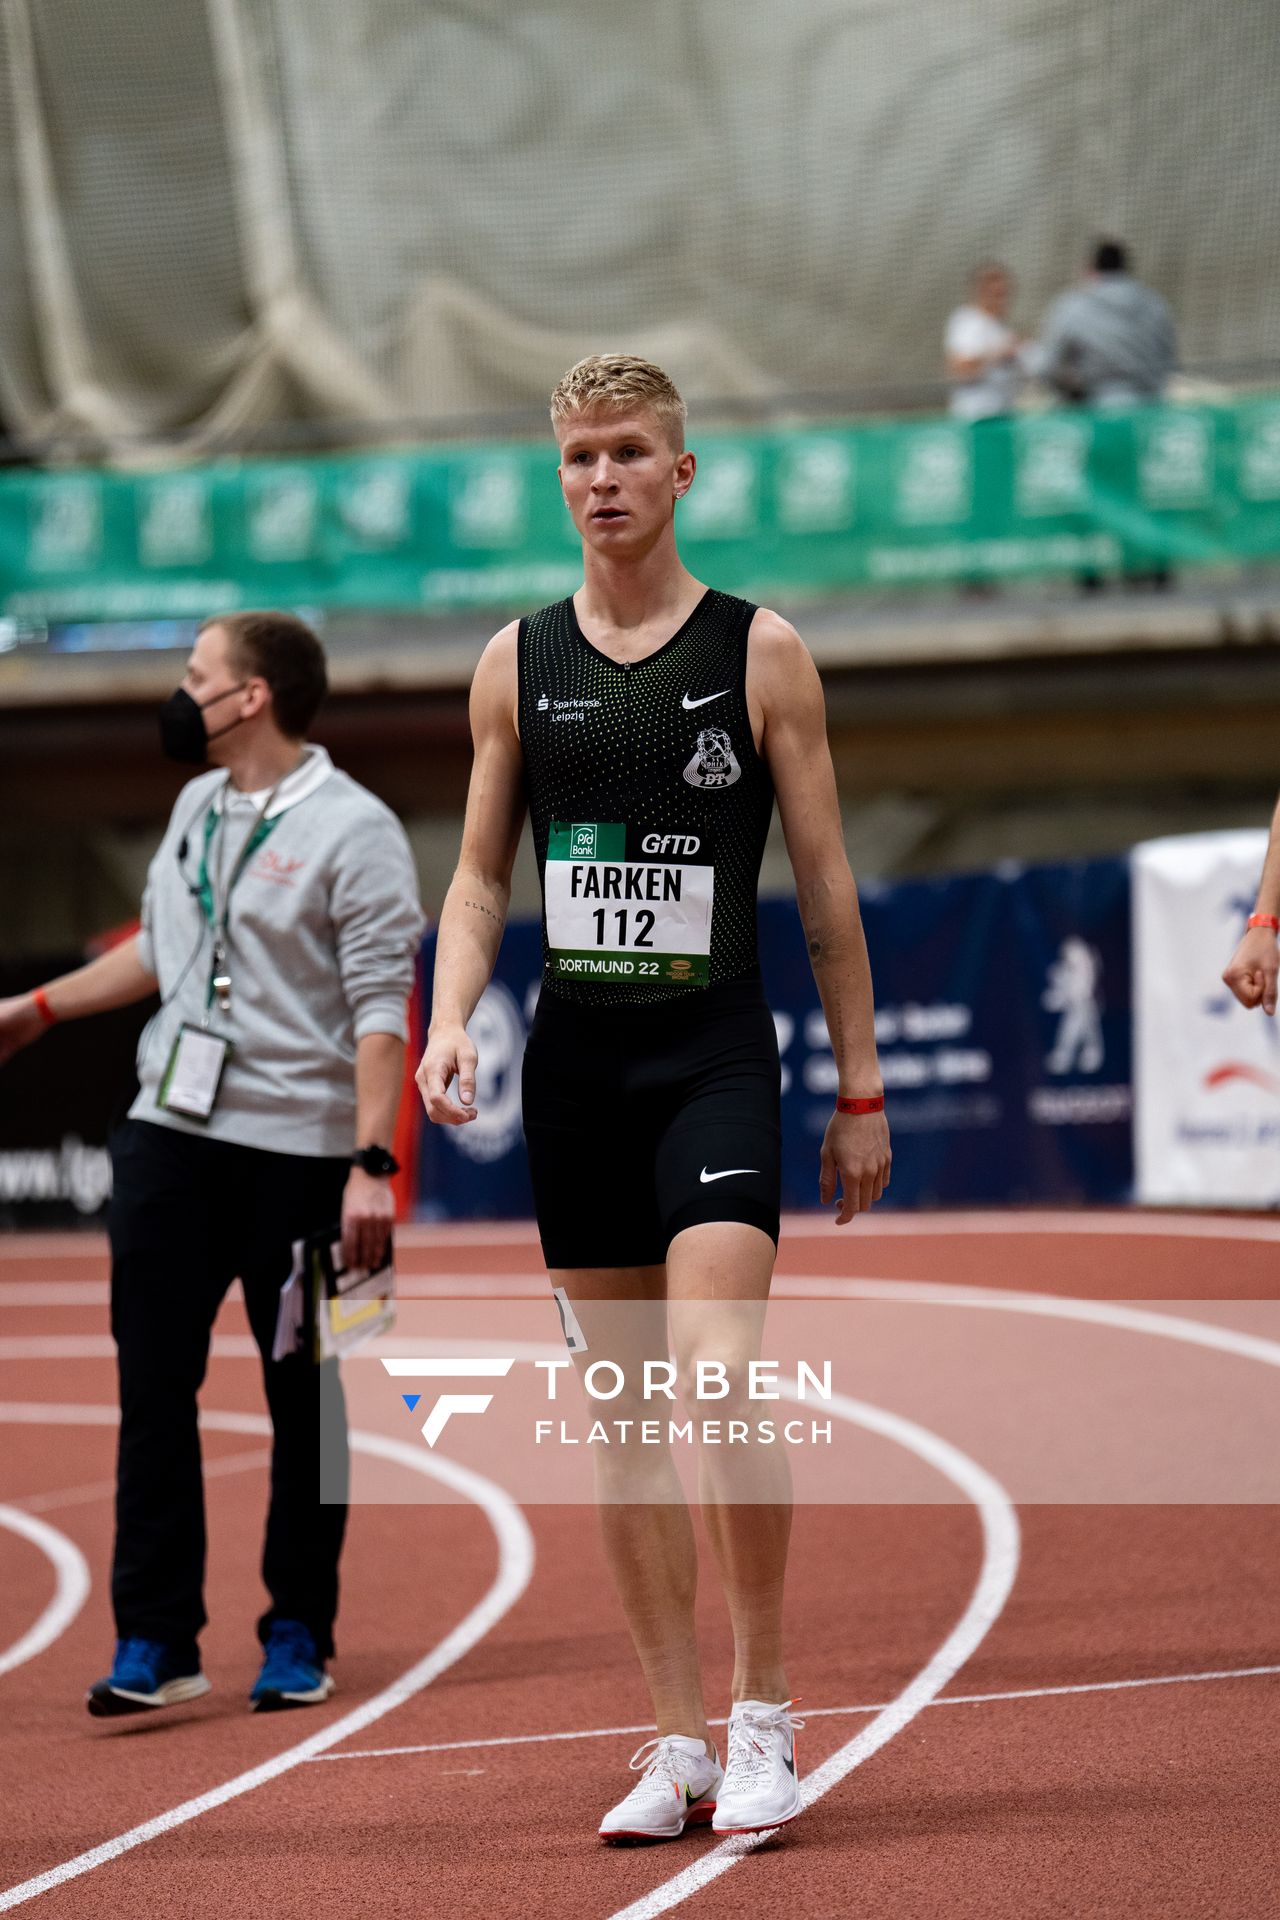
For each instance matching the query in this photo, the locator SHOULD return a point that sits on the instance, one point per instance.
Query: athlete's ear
(686, 467)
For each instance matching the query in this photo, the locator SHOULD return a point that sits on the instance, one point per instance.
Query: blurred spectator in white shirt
(982, 348)
(1109, 342)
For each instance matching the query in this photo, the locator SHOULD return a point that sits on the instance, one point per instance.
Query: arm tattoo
(478, 906)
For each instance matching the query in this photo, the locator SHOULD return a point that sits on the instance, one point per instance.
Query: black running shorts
(642, 1121)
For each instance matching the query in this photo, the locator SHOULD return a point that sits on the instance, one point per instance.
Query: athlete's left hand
(856, 1156)
(368, 1215)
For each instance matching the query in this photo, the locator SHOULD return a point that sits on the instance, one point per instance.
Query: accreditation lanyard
(208, 891)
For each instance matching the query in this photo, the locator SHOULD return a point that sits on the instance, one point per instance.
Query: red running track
(1039, 1781)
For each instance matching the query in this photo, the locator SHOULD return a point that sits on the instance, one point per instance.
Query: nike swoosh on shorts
(689, 704)
(706, 1177)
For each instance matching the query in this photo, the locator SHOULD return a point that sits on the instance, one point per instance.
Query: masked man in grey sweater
(280, 924)
(1109, 342)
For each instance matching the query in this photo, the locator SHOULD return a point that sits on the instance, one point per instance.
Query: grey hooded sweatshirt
(1109, 342)
(323, 935)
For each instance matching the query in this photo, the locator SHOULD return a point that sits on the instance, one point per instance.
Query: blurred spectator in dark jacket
(982, 348)
(1110, 341)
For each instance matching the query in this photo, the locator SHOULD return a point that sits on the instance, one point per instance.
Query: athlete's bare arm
(116, 978)
(785, 697)
(1253, 967)
(475, 907)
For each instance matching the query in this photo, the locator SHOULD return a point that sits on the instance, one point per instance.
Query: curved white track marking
(1103, 1312)
(995, 1581)
(1049, 1306)
(813, 1713)
(515, 1567)
(71, 1585)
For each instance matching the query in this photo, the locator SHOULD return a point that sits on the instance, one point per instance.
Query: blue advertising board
(1003, 1021)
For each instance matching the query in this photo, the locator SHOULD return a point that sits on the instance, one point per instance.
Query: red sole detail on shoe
(699, 1816)
(645, 1839)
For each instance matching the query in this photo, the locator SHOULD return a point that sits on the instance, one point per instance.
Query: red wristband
(871, 1103)
(43, 1008)
(1265, 920)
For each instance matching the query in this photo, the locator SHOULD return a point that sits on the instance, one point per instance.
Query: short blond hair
(616, 382)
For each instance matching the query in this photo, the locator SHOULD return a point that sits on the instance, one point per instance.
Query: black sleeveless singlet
(649, 806)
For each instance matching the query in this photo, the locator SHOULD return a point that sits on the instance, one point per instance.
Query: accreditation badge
(189, 1084)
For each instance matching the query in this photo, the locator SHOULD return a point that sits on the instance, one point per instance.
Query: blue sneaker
(146, 1673)
(292, 1673)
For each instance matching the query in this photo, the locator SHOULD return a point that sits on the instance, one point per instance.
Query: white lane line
(241, 1346)
(926, 1293)
(54, 1293)
(54, 1246)
(100, 1346)
(1051, 1306)
(105, 1489)
(812, 1713)
(419, 1234)
(1167, 1326)
(71, 1586)
(995, 1581)
(515, 1567)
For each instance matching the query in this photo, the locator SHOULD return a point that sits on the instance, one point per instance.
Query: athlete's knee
(717, 1371)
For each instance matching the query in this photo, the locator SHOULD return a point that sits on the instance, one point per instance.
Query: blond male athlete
(647, 724)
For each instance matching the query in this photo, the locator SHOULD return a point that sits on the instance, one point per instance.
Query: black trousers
(189, 1215)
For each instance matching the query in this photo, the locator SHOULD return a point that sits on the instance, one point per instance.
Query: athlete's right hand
(20, 1024)
(450, 1055)
(1252, 970)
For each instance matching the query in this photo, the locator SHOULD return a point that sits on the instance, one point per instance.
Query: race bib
(634, 919)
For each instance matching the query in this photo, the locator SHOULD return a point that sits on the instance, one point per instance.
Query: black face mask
(183, 733)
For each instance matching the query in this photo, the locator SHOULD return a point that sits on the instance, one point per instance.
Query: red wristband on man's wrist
(870, 1103)
(1265, 920)
(43, 1008)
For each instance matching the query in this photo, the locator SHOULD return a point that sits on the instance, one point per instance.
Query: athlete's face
(621, 478)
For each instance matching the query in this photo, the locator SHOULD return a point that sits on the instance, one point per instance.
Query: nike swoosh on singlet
(689, 704)
(705, 1177)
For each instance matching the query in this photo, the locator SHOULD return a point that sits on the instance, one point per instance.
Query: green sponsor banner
(587, 840)
(794, 512)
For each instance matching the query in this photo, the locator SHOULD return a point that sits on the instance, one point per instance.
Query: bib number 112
(644, 922)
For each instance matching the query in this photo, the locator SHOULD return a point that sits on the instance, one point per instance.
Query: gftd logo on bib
(714, 763)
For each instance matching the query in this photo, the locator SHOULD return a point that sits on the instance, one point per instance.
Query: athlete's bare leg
(644, 1519)
(717, 1286)
(716, 1282)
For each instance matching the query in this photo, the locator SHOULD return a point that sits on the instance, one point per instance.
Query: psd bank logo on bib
(498, 1030)
(582, 841)
(714, 763)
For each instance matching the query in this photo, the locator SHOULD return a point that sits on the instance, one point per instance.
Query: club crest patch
(714, 763)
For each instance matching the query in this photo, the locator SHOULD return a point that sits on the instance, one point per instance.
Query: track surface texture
(1071, 1710)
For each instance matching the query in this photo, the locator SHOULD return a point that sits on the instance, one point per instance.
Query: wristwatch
(376, 1161)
